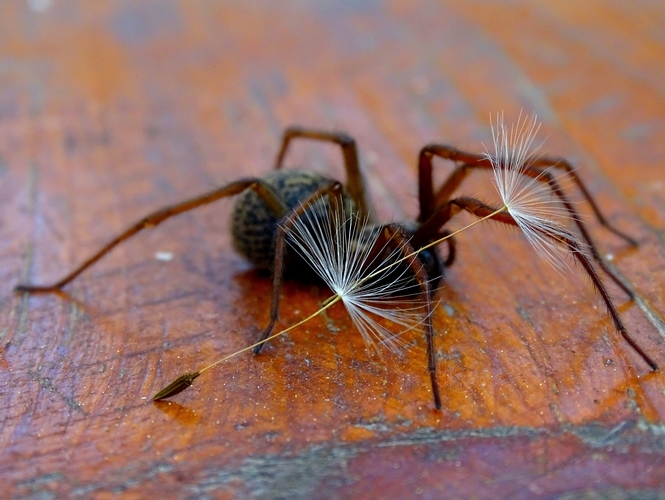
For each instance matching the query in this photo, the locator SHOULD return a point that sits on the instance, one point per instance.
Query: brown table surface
(109, 110)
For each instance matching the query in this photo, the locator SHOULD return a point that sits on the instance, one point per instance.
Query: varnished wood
(109, 111)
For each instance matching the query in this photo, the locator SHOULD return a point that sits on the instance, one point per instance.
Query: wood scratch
(47, 383)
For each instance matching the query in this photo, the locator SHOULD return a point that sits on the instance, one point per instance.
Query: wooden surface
(111, 110)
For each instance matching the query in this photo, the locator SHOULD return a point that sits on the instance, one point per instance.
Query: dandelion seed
(344, 251)
(528, 200)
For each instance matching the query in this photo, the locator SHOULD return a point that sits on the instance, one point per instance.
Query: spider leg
(544, 162)
(333, 190)
(264, 191)
(426, 196)
(480, 209)
(537, 169)
(355, 184)
(452, 247)
(395, 235)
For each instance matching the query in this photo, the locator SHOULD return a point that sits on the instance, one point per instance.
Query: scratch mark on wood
(47, 383)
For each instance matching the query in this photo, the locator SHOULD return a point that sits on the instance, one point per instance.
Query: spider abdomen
(254, 226)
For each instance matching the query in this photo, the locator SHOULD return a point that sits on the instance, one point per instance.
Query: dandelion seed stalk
(184, 381)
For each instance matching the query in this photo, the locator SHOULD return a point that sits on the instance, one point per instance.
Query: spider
(266, 209)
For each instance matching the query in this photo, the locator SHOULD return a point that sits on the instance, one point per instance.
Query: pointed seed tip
(177, 386)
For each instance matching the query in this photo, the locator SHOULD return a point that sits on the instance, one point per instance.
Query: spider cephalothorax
(312, 212)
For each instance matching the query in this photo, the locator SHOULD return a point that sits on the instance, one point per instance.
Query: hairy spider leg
(264, 191)
(355, 184)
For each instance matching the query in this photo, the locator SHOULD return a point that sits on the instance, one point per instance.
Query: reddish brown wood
(109, 111)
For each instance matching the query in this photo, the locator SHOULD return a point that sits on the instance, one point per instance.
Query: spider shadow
(63, 296)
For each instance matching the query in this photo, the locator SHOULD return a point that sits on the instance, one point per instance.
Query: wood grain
(111, 110)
